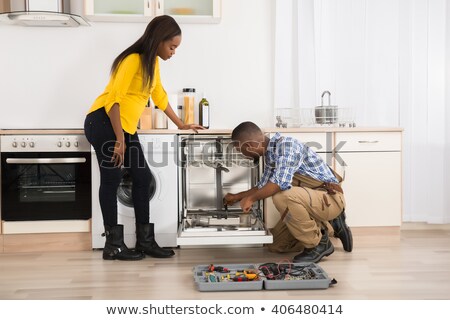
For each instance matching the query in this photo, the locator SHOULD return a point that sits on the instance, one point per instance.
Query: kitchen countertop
(40, 131)
(208, 131)
(81, 131)
(334, 129)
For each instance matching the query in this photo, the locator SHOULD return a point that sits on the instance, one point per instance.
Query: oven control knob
(67, 144)
(59, 144)
(31, 144)
(23, 144)
(76, 144)
(14, 144)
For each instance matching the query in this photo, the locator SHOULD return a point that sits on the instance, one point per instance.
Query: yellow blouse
(125, 88)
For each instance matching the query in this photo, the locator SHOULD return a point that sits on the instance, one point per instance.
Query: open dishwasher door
(210, 168)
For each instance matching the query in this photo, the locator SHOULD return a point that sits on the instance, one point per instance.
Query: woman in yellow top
(111, 126)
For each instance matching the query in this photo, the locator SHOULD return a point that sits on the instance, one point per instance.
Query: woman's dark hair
(161, 28)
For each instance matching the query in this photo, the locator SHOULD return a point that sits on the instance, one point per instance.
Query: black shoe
(115, 248)
(145, 242)
(323, 249)
(343, 232)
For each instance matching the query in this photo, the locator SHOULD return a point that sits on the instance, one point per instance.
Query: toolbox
(268, 276)
(204, 282)
(313, 277)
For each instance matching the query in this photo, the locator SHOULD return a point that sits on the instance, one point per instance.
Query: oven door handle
(45, 160)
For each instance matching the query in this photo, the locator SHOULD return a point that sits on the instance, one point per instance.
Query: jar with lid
(145, 121)
(189, 105)
(160, 119)
(180, 112)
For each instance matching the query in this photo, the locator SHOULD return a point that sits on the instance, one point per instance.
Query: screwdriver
(226, 210)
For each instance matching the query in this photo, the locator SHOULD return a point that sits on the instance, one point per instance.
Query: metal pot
(326, 114)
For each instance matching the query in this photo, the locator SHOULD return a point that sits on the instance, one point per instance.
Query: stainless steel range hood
(42, 13)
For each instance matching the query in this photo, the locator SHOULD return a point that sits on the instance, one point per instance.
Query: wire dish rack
(327, 116)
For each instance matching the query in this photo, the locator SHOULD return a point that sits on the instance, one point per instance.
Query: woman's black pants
(100, 134)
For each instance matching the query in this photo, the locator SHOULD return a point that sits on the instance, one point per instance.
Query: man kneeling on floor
(304, 189)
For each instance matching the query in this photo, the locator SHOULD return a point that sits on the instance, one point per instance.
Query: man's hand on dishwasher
(230, 199)
(246, 204)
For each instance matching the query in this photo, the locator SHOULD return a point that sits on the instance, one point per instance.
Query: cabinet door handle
(148, 4)
(45, 160)
(366, 141)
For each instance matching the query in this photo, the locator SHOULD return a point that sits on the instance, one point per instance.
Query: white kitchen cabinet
(192, 11)
(184, 11)
(372, 171)
(119, 10)
(372, 185)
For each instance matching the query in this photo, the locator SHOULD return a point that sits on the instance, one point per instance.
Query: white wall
(49, 77)
(424, 113)
(348, 47)
(388, 60)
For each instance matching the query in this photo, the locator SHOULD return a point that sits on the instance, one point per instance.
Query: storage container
(301, 276)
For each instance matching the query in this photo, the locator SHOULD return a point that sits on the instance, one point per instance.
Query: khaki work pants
(304, 212)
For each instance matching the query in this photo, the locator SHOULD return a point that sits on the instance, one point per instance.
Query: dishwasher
(209, 168)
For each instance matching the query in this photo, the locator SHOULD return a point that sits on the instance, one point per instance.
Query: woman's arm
(174, 118)
(119, 147)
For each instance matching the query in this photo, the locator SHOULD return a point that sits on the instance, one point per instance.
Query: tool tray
(203, 283)
(301, 276)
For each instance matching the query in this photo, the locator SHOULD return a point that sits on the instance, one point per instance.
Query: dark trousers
(100, 134)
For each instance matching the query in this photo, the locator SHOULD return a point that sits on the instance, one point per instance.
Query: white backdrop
(389, 61)
(49, 77)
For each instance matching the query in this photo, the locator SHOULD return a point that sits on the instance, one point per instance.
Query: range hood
(42, 13)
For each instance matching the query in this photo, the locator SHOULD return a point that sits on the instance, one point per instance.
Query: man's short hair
(245, 131)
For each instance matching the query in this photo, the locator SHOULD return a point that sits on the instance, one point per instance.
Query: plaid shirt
(286, 156)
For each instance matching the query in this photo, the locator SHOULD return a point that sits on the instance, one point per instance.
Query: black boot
(145, 242)
(343, 232)
(323, 249)
(115, 248)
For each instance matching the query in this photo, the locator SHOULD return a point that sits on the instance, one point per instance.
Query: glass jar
(189, 105)
(160, 119)
(180, 112)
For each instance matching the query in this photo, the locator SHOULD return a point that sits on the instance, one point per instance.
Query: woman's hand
(119, 153)
(194, 127)
(181, 126)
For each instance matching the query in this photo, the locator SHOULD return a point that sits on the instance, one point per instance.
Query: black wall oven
(48, 183)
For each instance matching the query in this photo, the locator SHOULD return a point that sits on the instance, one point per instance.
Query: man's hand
(230, 199)
(246, 204)
(119, 152)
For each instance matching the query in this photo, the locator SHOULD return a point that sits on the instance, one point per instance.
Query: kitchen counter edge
(209, 131)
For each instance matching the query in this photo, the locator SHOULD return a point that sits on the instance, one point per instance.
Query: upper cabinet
(120, 11)
(193, 11)
(184, 11)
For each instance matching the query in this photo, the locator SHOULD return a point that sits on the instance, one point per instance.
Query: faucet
(329, 97)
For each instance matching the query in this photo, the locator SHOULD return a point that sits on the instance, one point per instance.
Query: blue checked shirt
(286, 156)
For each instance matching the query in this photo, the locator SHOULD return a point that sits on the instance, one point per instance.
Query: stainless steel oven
(45, 177)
